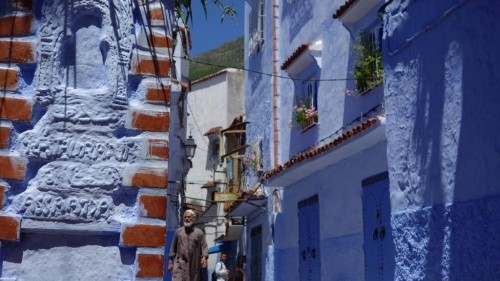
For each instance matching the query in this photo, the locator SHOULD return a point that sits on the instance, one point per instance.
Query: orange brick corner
(153, 206)
(158, 95)
(4, 137)
(143, 235)
(16, 25)
(16, 51)
(158, 67)
(146, 176)
(158, 149)
(156, 121)
(8, 78)
(12, 167)
(11, 228)
(2, 196)
(150, 265)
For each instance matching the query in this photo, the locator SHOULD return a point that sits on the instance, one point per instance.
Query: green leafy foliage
(368, 68)
(229, 54)
(185, 12)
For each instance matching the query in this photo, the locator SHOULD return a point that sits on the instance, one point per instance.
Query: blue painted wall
(338, 186)
(442, 103)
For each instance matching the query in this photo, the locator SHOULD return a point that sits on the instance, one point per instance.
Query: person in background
(221, 272)
(188, 251)
(242, 269)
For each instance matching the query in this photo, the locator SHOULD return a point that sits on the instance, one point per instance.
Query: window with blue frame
(306, 99)
(256, 25)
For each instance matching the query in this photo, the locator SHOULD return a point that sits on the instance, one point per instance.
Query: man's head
(189, 218)
(223, 257)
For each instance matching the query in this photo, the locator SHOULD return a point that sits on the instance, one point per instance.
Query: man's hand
(203, 262)
(170, 266)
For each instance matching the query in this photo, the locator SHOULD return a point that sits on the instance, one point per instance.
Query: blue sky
(210, 33)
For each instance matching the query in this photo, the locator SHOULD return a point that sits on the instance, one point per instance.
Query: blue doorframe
(378, 243)
(309, 244)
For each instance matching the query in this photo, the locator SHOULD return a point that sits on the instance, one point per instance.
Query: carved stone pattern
(49, 207)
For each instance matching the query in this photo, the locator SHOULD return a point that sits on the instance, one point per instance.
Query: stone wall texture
(442, 130)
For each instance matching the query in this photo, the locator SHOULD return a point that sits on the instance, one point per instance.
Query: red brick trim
(156, 14)
(8, 78)
(158, 121)
(16, 51)
(143, 235)
(4, 137)
(12, 167)
(15, 108)
(157, 149)
(153, 206)
(2, 192)
(11, 228)
(158, 41)
(154, 67)
(150, 265)
(143, 176)
(15, 25)
(158, 95)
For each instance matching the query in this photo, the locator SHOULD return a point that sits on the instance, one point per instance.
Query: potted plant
(305, 115)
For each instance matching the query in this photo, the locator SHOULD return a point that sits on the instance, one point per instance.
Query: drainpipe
(275, 83)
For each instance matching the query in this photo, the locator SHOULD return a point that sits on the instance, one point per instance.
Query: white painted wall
(212, 102)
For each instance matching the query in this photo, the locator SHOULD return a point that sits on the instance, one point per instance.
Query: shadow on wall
(475, 244)
(13, 251)
(455, 134)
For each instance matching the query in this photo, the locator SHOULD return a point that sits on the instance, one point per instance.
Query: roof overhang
(247, 207)
(351, 147)
(233, 232)
(219, 247)
(353, 10)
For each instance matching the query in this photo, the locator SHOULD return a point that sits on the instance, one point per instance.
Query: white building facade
(213, 103)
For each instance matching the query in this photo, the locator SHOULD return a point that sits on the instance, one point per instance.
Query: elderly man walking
(188, 251)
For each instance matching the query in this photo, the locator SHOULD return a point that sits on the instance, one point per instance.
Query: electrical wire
(359, 119)
(278, 76)
(195, 122)
(391, 52)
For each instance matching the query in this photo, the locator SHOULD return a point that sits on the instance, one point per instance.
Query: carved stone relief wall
(84, 138)
(82, 83)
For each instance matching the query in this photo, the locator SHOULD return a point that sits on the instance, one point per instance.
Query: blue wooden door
(256, 253)
(309, 248)
(378, 243)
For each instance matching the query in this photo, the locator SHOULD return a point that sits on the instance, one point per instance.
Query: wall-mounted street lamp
(190, 147)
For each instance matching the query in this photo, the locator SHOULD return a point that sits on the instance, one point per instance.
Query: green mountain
(229, 54)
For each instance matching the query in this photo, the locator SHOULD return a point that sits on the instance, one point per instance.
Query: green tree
(185, 12)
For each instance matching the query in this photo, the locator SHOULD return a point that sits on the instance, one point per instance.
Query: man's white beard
(188, 224)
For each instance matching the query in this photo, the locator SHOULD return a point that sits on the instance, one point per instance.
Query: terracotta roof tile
(249, 194)
(210, 76)
(213, 131)
(300, 50)
(314, 152)
(340, 11)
